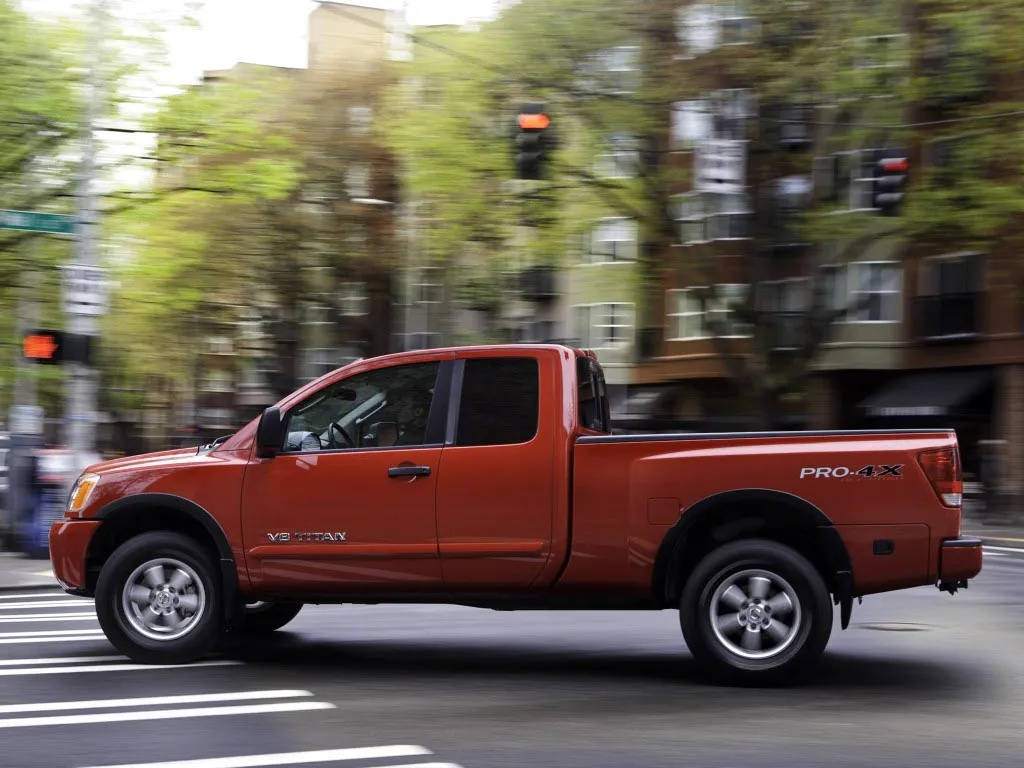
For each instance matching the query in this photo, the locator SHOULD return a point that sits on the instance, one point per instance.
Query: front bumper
(960, 560)
(69, 545)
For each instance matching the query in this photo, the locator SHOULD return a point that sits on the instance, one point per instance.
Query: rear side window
(500, 401)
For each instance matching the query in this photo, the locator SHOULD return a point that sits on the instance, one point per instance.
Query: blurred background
(761, 215)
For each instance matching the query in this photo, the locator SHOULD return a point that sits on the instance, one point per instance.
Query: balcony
(538, 284)
(947, 317)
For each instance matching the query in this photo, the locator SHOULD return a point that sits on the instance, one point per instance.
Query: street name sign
(34, 221)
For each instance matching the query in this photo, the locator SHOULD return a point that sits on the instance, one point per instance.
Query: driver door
(339, 510)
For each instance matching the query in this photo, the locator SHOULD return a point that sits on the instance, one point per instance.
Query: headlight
(81, 491)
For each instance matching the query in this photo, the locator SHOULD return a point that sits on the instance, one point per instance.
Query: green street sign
(30, 221)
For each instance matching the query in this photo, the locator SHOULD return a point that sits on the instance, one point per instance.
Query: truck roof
(455, 350)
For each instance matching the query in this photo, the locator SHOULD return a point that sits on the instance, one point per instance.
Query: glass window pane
(500, 401)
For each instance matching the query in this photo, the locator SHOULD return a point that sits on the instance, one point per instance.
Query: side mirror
(270, 433)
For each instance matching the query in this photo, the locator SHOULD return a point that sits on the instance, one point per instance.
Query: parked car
(488, 477)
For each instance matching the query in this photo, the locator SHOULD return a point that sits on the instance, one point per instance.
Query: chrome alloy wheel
(755, 614)
(164, 599)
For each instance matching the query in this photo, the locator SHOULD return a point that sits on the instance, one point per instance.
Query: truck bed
(632, 493)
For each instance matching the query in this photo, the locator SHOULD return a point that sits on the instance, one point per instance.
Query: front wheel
(756, 611)
(158, 599)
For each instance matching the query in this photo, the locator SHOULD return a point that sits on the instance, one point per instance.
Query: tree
(613, 73)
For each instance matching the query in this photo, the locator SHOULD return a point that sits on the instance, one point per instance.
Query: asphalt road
(920, 679)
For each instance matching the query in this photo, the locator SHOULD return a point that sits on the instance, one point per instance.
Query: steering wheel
(336, 426)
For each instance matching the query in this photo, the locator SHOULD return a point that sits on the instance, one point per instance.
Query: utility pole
(80, 403)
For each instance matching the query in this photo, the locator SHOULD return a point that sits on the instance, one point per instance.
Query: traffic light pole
(28, 318)
(80, 403)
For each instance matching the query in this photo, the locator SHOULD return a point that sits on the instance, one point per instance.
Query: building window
(875, 292)
(685, 318)
(317, 314)
(219, 345)
(354, 300)
(217, 381)
(702, 27)
(427, 287)
(603, 326)
(703, 217)
(357, 180)
(687, 322)
(620, 164)
(620, 67)
(949, 295)
(691, 123)
(885, 57)
(848, 178)
(360, 120)
(787, 303)
(613, 240)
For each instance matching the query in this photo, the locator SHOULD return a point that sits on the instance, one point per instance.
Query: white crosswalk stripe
(301, 758)
(52, 604)
(22, 618)
(58, 660)
(55, 594)
(75, 670)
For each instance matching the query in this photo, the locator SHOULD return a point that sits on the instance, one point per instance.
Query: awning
(933, 393)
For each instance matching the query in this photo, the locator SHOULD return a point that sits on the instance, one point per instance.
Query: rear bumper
(69, 545)
(960, 559)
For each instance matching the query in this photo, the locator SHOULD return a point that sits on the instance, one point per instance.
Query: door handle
(408, 471)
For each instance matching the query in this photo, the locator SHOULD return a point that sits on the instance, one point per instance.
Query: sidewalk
(19, 572)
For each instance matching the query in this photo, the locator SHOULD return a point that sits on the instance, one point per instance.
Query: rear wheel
(158, 599)
(263, 617)
(756, 611)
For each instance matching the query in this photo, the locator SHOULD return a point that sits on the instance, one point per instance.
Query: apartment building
(936, 338)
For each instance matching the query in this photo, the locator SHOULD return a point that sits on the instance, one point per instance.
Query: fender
(129, 504)
(807, 515)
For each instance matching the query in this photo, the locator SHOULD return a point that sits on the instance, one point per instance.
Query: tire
(189, 590)
(264, 617)
(797, 593)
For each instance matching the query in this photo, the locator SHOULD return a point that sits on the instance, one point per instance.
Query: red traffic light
(41, 346)
(895, 165)
(534, 122)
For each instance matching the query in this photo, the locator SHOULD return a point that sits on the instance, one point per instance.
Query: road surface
(920, 679)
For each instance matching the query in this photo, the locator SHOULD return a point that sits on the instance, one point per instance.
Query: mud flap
(843, 597)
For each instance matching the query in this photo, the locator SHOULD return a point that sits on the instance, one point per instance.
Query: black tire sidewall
(815, 604)
(202, 639)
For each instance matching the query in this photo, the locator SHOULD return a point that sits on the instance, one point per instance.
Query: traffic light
(890, 184)
(533, 142)
(49, 347)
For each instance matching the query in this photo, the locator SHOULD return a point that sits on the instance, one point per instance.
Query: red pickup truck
(489, 477)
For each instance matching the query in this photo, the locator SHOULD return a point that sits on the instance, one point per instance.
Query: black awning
(931, 393)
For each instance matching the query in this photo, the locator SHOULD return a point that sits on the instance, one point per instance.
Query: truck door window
(500, 401)
(384, 407)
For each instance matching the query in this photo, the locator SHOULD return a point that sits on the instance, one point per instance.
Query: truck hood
(160, 458)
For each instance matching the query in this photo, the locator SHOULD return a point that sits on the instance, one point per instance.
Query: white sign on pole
(85, 290)
(26, 420)
(720, 166)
